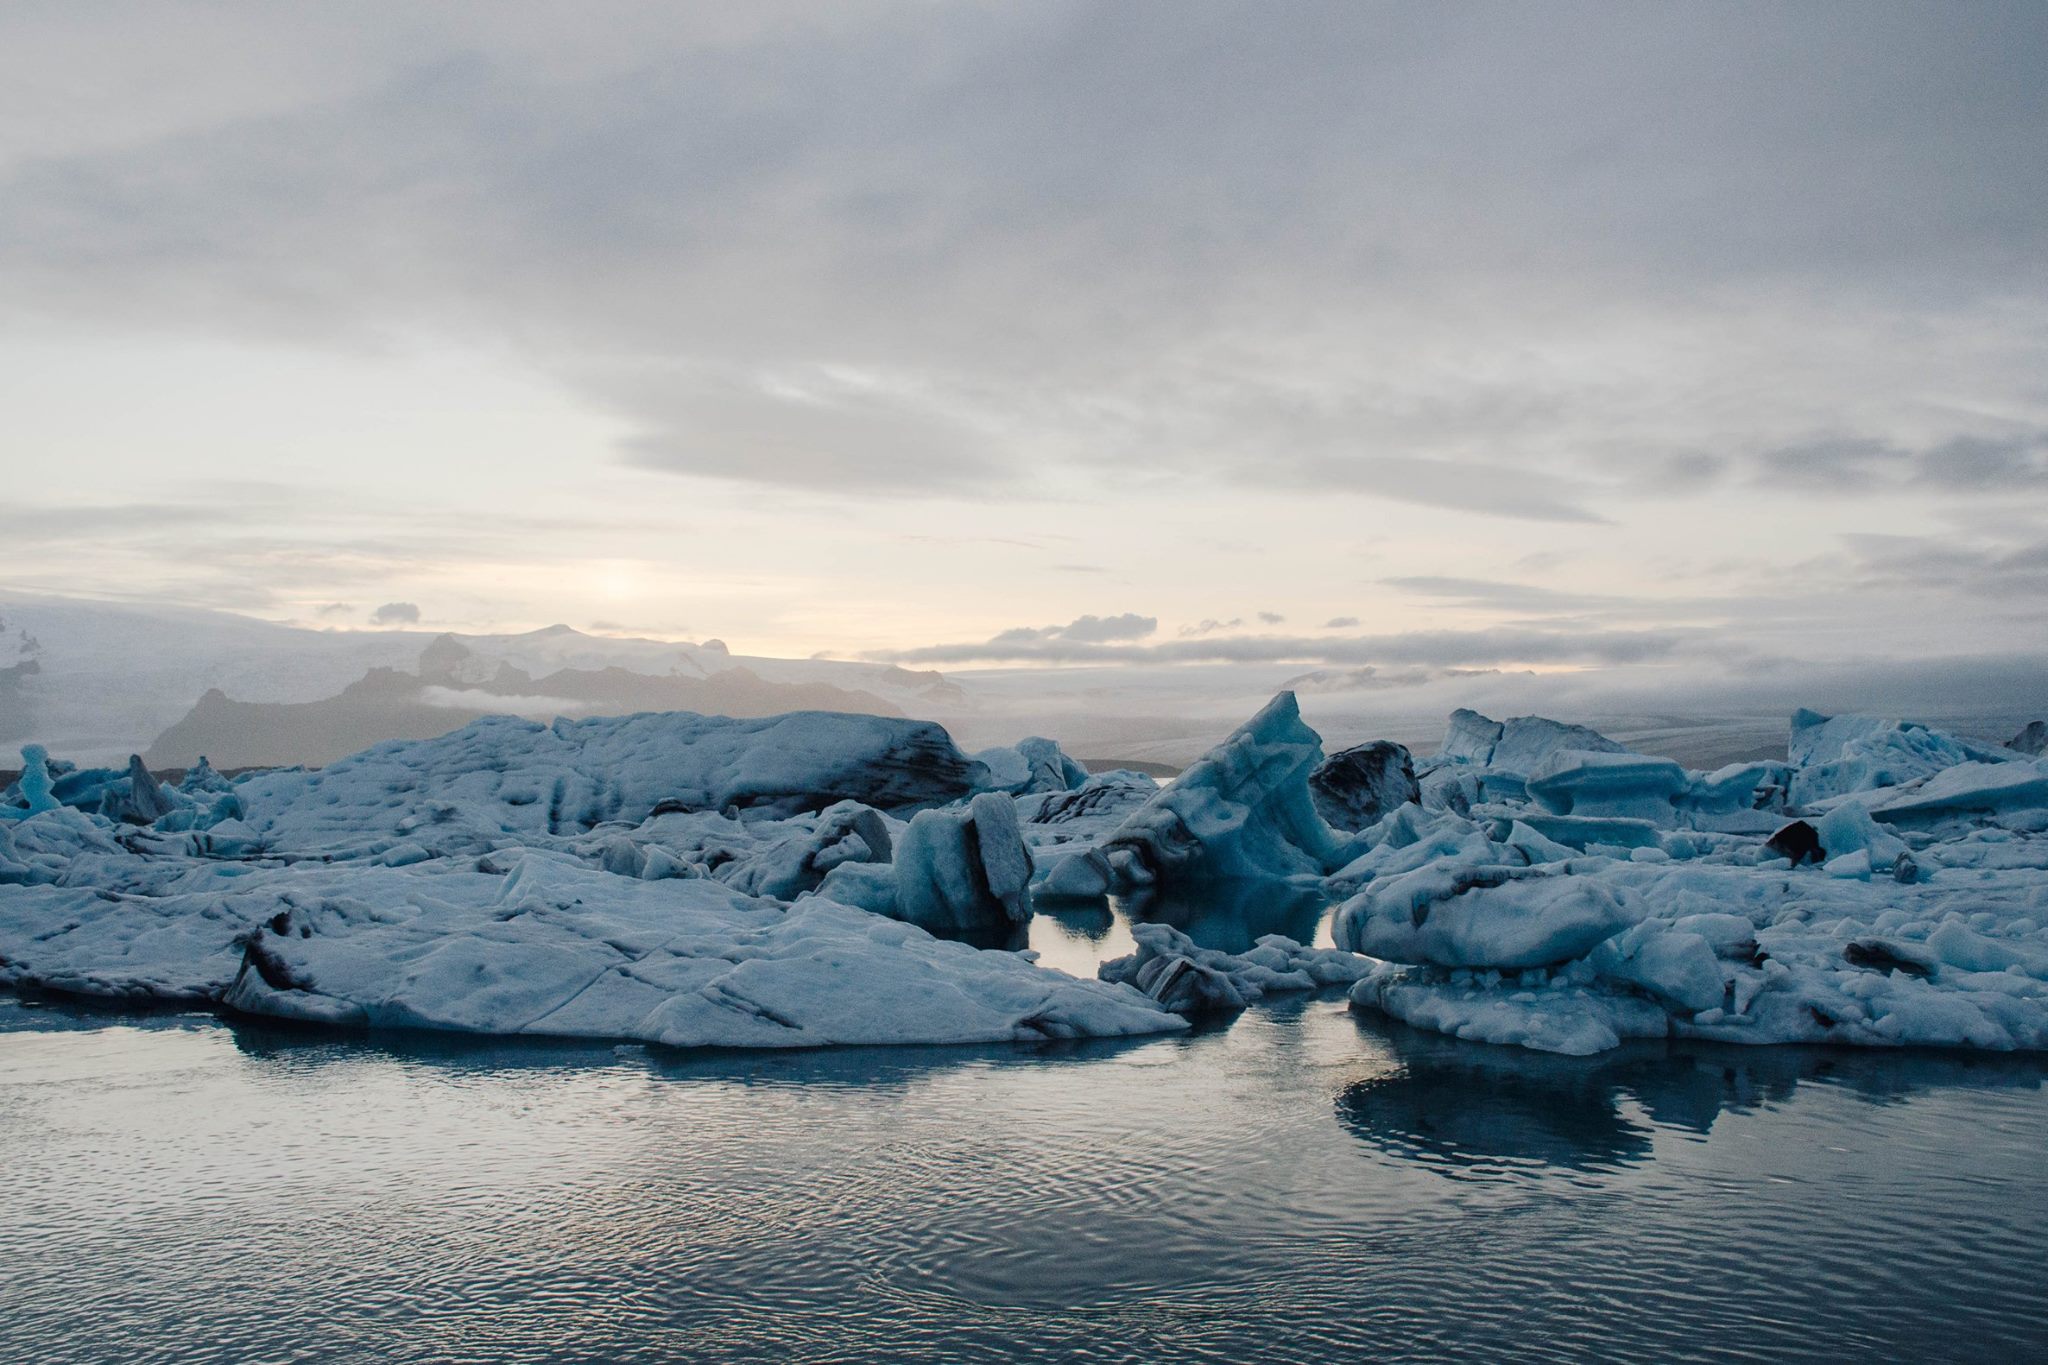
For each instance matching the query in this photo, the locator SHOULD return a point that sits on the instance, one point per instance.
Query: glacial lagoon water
(1299, 1185)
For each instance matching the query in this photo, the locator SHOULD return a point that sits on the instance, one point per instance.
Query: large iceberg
(808, 879)
(1909, 912)
(665, 878)
(1243, 811)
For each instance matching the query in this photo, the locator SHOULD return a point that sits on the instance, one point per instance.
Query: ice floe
(808, 879)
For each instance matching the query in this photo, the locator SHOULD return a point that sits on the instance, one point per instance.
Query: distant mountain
(389, 704)
(96, 681)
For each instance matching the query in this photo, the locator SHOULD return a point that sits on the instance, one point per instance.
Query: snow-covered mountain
(96, 681)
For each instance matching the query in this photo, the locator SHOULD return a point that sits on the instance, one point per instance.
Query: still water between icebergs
(1300, 1185)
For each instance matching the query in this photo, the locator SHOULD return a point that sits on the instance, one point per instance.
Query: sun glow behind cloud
(892, 330)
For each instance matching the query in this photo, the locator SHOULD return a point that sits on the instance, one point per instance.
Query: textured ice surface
(1188, 979)
(1359, 786)
(679, 879)
(628, 879)
(1242, 811)
(502, 778)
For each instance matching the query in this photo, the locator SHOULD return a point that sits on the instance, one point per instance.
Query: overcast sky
(1406, 336)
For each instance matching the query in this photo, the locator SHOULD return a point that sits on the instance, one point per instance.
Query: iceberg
(963, 870)
(501, 778)
(1448, 915)
(1243, 811)
(1836, 755)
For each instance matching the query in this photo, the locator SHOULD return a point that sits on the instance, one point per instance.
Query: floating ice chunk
(1573, 1021)
(38, 791)
(137, 800)
(1534, 846)
(1968, 789)
(1030, 767)
(1482, 759)
(1737, 788)
(2031, 740)
(797, 862)
(1357, 787)
(1848, 828)
(681, 963)
(1585, 831)
(962, 869)
(1187, 979)
(1469, 738)
(1628, 786)
(1963, 948)
(1449, 915)
(1242, 811)
(1081, 875)
(1835, 755)
(1675, 966)
(1528, 742)
(504, 778)
(1854, 865)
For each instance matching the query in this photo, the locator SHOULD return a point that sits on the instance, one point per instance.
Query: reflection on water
(1233, 915)
(1230, 916)
(1474, 1111)
(186, 1190)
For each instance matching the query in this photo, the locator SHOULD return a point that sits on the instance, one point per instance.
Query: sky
(1418, 338)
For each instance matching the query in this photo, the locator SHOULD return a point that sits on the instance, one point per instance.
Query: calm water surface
(1299, 1186)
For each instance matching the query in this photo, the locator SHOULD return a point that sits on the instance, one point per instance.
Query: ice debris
(1191, 980)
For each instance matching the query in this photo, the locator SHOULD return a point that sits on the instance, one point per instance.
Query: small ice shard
(1359, 786)
(1274, 964)
(2032, 740)
(141, 800)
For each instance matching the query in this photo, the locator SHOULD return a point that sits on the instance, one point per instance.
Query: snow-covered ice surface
(765, 883)
(1619, 896)
(653, 878)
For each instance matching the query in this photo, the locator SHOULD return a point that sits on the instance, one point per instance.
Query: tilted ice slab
(1835, 755)
(533, 942)
(1243, 811)
(504, 779)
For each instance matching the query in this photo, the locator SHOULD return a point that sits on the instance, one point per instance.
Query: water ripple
(1299, 1187)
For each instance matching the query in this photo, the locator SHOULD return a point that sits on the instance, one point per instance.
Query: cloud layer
(1564, 329)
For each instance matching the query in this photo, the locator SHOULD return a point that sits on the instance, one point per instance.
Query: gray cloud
(1084, 630)
(898, 250)
(1271, 618)
(1341, 623)
(1853, 466)
(1437, 648)
(395, 614)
